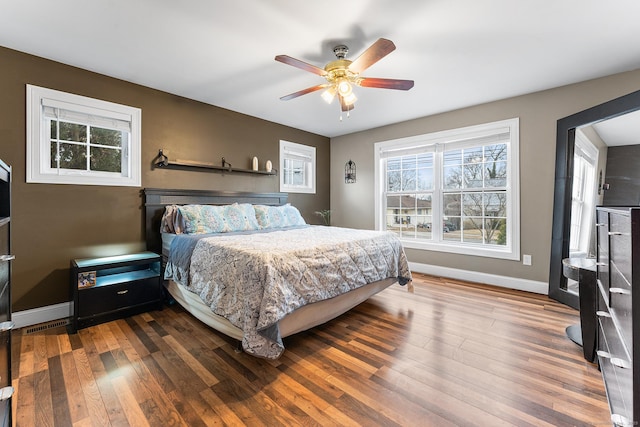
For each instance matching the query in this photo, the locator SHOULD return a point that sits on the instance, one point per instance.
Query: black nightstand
(113, 287)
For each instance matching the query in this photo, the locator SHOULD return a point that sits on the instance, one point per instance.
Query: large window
(297, 168)
(73, 139)
(454, 191)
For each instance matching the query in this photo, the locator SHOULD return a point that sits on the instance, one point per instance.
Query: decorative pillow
(198, 219)
(168, 223)
(240, 217)
(278, 216)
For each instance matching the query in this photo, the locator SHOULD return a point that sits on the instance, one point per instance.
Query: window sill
(503, 253)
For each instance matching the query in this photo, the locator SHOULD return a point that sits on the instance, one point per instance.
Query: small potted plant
(325, 215)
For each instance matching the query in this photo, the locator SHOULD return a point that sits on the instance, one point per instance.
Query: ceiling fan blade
(345, 106)
(300, 64)
(304, 92)
(375, 52)
(386, 83)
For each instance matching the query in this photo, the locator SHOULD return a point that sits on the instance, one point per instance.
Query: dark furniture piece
(583, 271)
(6, 325)
(618, 305)
(112, 287)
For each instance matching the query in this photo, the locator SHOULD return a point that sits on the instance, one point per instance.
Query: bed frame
(302, 319)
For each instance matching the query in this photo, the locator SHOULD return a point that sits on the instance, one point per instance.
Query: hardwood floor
(452, 353)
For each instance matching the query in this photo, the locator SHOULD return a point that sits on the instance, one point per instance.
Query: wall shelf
(163, 161)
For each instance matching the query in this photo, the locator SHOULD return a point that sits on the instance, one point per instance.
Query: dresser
(618, 303)
(5, 295)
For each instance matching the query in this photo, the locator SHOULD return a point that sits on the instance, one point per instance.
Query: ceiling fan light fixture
(329, 94)
(344, 88)
(349, 99)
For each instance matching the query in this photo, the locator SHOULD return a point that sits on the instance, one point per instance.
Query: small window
(73, 139)
(298, 168)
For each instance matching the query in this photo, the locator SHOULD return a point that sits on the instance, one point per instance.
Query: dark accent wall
(52, 224)
(623, 176)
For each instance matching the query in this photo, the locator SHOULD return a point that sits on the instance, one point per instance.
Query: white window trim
(511, 251)
(38, 165)
(302, 151)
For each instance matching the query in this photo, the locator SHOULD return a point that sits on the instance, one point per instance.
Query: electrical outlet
(526, 259)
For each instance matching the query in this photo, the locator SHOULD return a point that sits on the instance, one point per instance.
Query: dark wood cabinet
(6, 325)
(112, 287)
(618, 264)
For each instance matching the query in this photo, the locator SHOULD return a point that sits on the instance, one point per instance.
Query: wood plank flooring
(450, 354)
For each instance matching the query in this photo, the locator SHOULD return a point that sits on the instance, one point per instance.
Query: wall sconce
(349, 172)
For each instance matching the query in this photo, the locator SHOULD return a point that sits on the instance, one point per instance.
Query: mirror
(598, 119)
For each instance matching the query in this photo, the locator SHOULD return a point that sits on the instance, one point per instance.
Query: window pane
(393, 202)
(409, 162)
(106, 159)
(393, 223)
(73, 132)
(496, 174)
(394, 181)
(473, 175)
(393, 163)
(425, 160)
(473, 155)
(451, 204)
(423, 227)
(72, 156)
(453, 177)
(424, 204)
(472, 232)
(495, 152)
(472, 204)
(112, 138)
(495, 204)
(452, 157)
(496, 231)
(409, 180)
(54, 129)
(294, 172)
(425, 179)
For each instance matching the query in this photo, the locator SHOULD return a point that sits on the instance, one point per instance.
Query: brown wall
(52, 224)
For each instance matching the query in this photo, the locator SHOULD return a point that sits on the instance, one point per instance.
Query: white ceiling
(459, 52)
(620, 130)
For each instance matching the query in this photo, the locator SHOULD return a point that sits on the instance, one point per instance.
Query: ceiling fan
(342, 74)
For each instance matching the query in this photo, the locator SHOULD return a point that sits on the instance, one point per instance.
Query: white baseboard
(489, 279)
(41, 314)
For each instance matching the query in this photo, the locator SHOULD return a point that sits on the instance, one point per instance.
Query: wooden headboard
(155, 199)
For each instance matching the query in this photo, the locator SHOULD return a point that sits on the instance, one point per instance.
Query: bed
(242, 263)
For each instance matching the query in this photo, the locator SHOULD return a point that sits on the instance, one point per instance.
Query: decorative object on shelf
(254, 163)
(268, 166)
(325, 215)
(350, 172)
(163, 161)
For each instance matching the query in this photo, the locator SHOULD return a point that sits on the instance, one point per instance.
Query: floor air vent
(43, 326)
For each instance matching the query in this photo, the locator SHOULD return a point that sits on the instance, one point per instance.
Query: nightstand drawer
(102, 299)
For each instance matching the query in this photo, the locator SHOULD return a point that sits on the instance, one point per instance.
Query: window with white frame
(453, 191)
(297, 168)
(73, 139)
(583, 196)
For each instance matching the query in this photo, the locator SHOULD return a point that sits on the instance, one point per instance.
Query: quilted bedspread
(254, 280)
